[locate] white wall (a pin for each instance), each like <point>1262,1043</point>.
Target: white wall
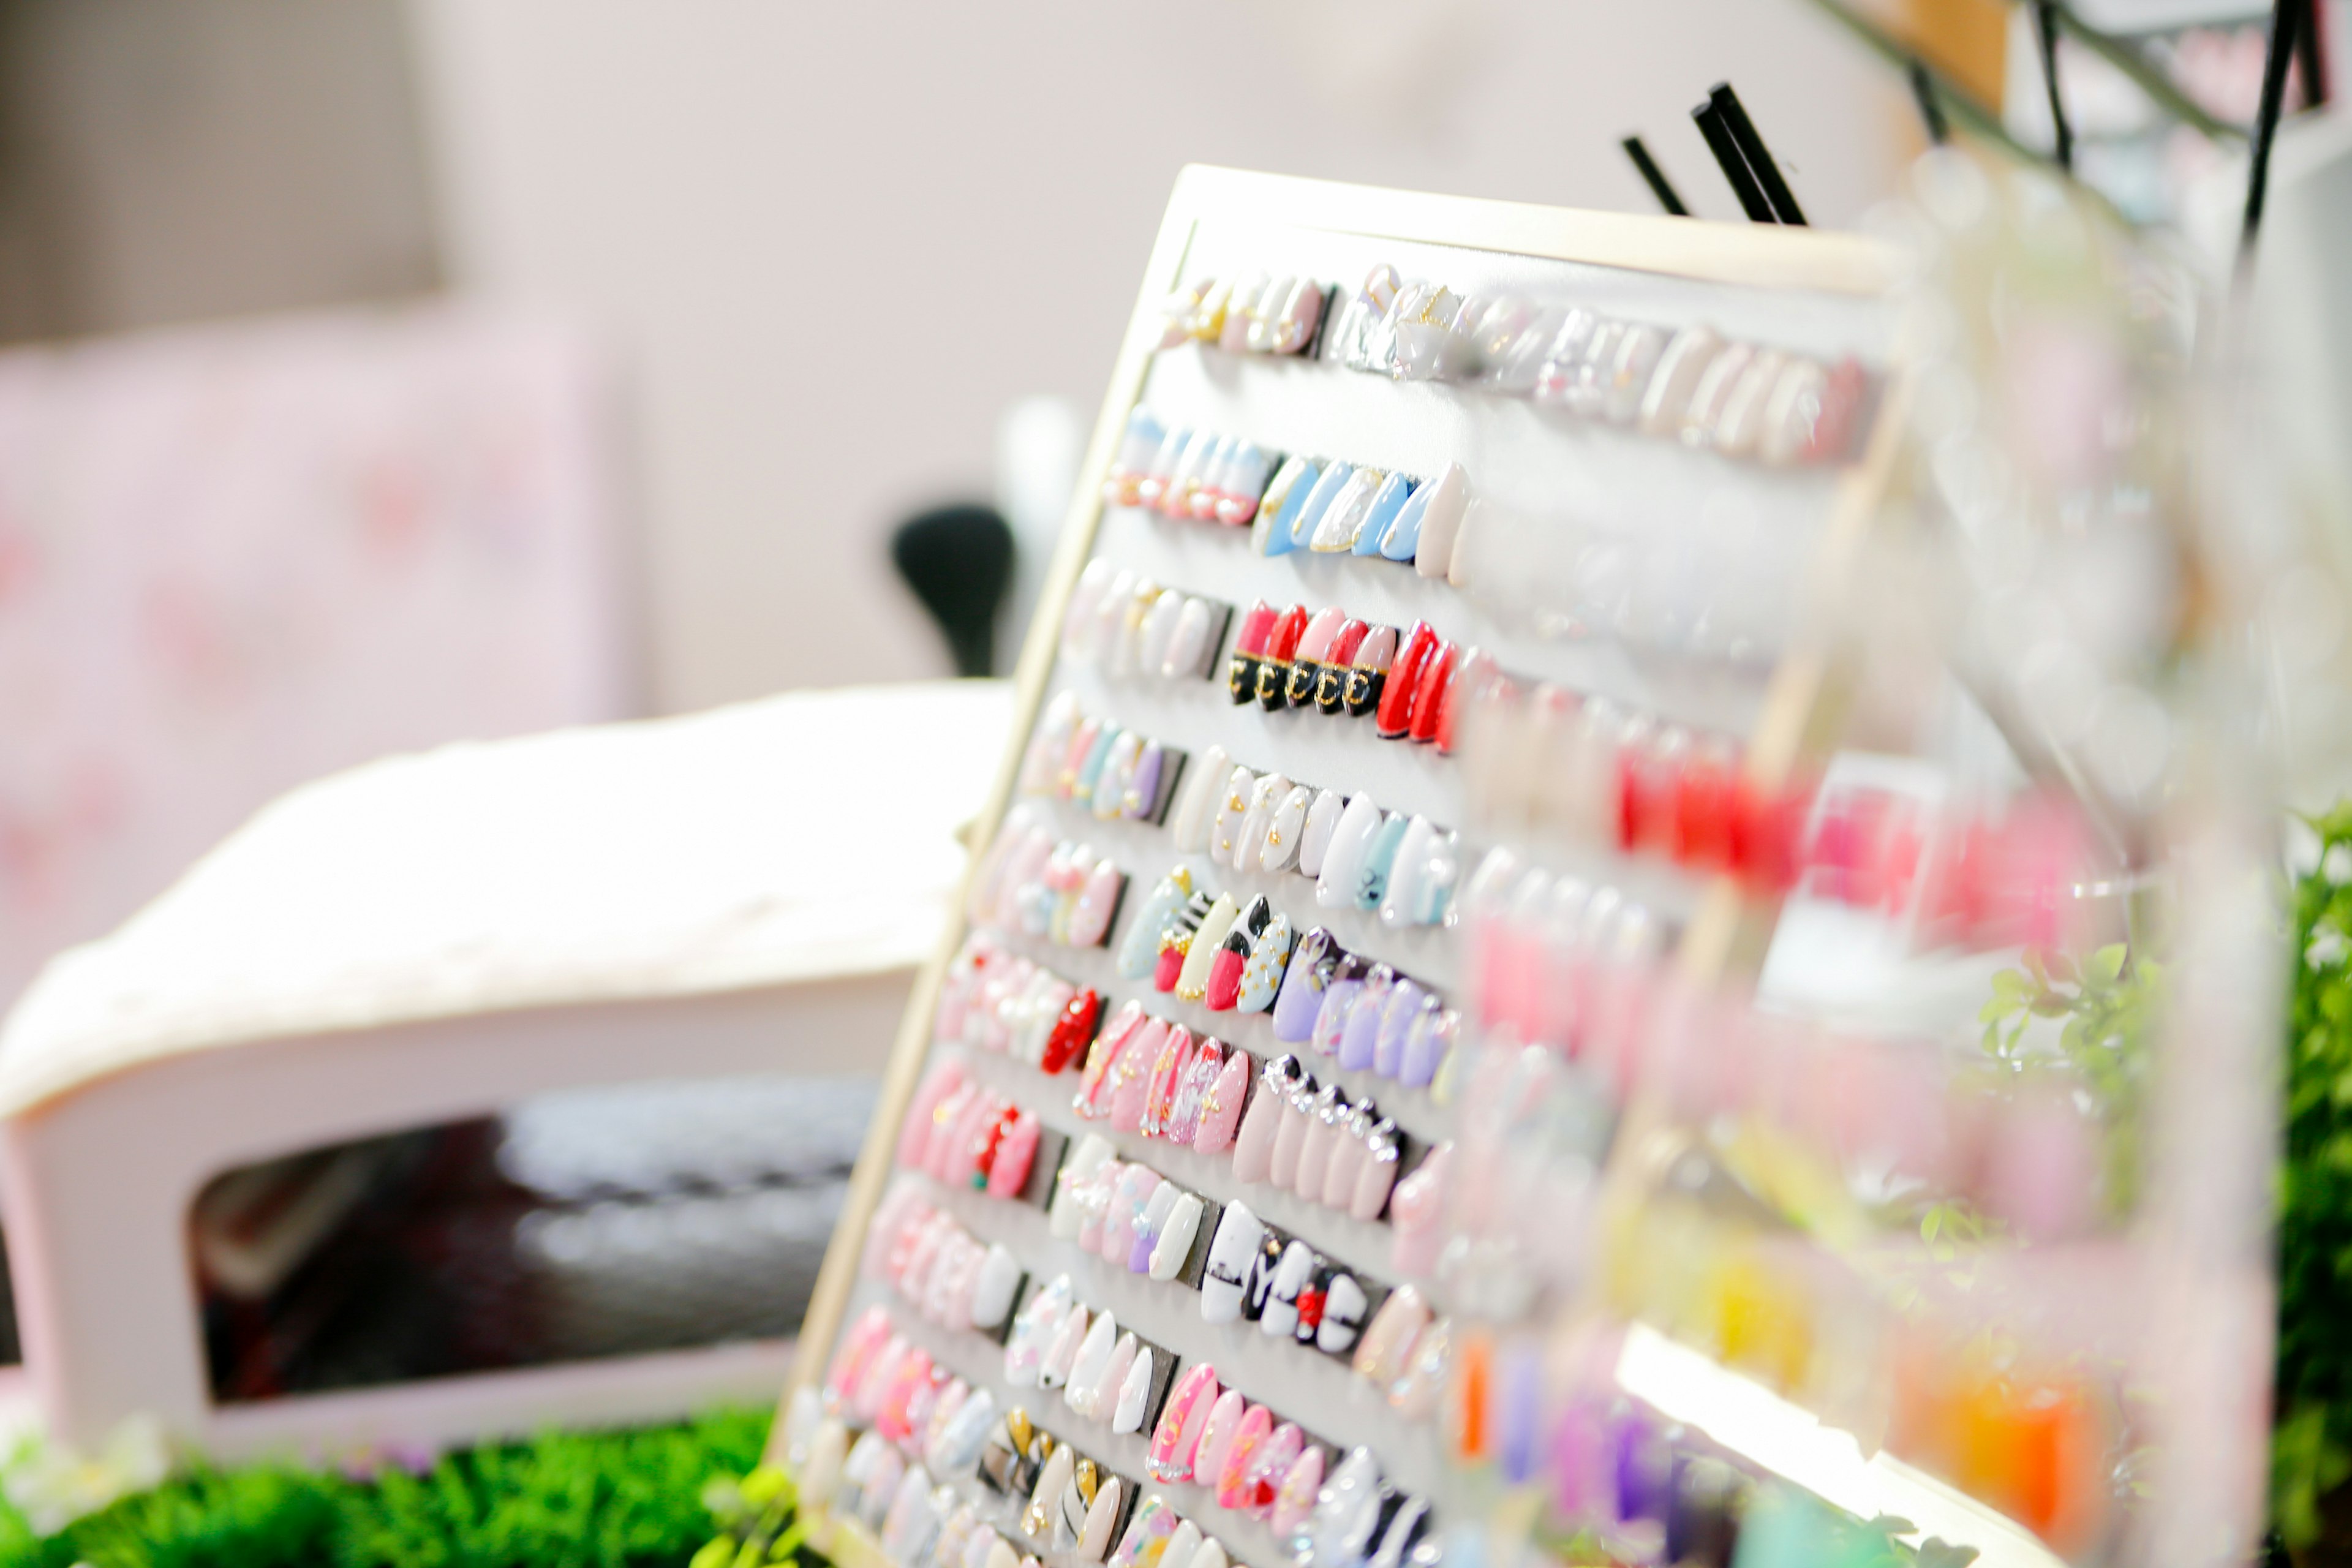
<point>837,240</point>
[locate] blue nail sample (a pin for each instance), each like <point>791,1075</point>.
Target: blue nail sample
<point>1389,502</point>
<point>1404,537</point>
<point>1379,858</point>
<point>1083,791</point>
<point>1318,501</point>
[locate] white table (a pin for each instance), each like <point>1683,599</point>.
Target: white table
<point>435,937</point>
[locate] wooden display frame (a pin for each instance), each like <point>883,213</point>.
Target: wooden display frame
<point>1822,264</point>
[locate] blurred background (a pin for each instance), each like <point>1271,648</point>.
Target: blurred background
<point>388,373</point>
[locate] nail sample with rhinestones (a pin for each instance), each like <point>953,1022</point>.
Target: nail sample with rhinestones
<point>1303,982</point>
<point>1378,1177</point>
<point>1221,1107</point>
<point>1179,1433</point>
<point>1167,1075</point>
<point>1290,1132</point>
<point>1182,1121</point>
<point>1323,1122</point>
<point>1254,1146</point>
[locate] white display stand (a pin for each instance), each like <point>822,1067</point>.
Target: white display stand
<point>1539,476</point>
<point>438,936</point>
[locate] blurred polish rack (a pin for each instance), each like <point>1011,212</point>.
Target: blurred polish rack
<point>1561,503</point>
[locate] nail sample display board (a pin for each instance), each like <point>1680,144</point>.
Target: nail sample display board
<point>1691,561</point>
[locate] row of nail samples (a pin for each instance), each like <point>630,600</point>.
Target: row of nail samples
<point>1254,313</point>
<point>1036,882</point>
<point>1561,961</point>
<point>1182,473</point>
<point>996,999</point>
<point>1311,1141</point>
<point>1403,866</point>
<point>1125,1213</point>
<point>1125,624</point>
<point>1115,773</point>
<point>1742,399</point>
<point>937,1267</point>
<point>1411,683</point>
<point>1103,1375</point>
<point>1323,505</point>
<point>969,1137</point>
<point>1328,507</point>
<point>1328,1516</point>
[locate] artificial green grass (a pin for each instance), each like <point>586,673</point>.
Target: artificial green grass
<point>571,1499</point>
